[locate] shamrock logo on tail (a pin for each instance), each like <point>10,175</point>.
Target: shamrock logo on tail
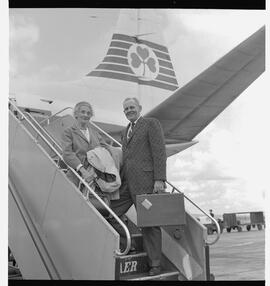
<point>143,57</point>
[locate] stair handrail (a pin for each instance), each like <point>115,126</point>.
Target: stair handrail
<point>106,134</point>
<point>209,216</point>
<point>44,130</point>
<point>174,188</point>
<point>81,180</point>
<point>53,115</point>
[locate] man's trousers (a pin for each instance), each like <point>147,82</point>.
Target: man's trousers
<point>151,235</point>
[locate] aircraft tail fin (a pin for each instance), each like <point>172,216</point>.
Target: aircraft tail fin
<point>137,52</point>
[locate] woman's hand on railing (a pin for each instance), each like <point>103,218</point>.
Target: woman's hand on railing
<point>87,175</point>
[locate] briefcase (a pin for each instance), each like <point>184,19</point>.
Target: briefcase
<point>160,209</point>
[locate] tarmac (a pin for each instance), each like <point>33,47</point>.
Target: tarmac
<point>236,256</point>
<point>239,255</point>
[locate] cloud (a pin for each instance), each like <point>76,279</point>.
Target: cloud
<point>22,31</point>
<point>25,74</point>
<point>221,196</point>
<point>206,180</point>
<point>197,38</point>
<point>219,172</point>
<point>50,72</point>
<point>24,34</point>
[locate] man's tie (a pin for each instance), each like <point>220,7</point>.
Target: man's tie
<point>130,130</point>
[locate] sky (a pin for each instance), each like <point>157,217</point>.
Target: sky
<point>227,170</point>
<point>224,171</point>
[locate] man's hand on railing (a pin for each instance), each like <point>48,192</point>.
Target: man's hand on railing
<point>159,187</point>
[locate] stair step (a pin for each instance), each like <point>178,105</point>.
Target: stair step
<point>130,264</point>
<point>14,272</point>
<point>15,277</point>
<point>164,275</point>
<point>137,240</point>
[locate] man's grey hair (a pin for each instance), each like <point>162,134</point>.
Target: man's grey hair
<point>79,105</point>
<point>132,98</point>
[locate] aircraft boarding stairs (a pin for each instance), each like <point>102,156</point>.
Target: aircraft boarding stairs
<point>56,233</point>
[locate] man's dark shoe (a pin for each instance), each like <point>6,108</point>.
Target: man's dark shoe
<point>155,270</point>
<point>132,250</point>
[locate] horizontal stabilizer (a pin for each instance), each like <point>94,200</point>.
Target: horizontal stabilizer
<point>191,108</point>
<point>172,149</point>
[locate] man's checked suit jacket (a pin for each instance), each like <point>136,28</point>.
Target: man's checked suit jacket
<point>144,155</point>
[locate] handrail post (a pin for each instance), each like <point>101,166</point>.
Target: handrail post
<point>53,115</point>
<point>207,262</point>
<point>106,134</point>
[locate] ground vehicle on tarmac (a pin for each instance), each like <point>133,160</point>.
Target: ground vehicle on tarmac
<point>243,219</point>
